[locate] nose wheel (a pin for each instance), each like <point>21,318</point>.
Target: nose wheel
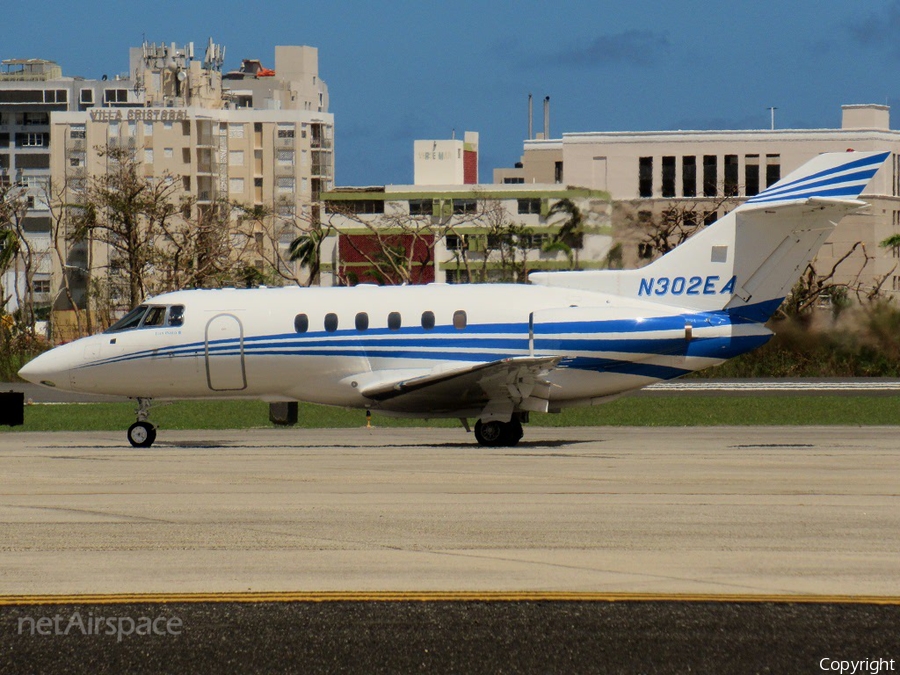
<point>142,433</point>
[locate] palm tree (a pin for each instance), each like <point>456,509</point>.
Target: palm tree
<point>570,234</point>
<point>306,250</point>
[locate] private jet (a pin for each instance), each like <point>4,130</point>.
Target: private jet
<point>493,353</point>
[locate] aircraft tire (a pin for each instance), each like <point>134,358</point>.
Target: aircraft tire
<point>495,434</point>
<point>141,434</point>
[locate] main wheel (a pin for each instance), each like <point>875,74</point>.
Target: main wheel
<point>489,433</point>
<point>141,434</point>
<point>497,434</point>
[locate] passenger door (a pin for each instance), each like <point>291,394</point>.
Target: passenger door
<point>225,369</point>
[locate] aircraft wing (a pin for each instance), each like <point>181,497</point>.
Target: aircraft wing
<point>498,385</point>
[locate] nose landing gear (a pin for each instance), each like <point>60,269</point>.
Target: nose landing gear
<point>142,433</point>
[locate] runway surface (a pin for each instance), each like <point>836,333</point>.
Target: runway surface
<point>690,510</point>
<point>383,550</point>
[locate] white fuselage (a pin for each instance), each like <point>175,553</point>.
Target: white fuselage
<point>282,344</point>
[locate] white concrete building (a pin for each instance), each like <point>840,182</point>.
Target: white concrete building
<point>647,171</point>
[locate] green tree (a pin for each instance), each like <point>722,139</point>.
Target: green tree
<point>570,235</point>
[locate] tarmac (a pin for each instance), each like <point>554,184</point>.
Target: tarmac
<point>734,532</point>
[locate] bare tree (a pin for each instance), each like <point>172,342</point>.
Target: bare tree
<point>127,210</point>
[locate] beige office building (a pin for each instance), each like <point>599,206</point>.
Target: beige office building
<point>645,172</point>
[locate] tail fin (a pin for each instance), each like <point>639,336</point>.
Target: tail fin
<point>748,260</point>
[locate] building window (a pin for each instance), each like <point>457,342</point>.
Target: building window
<point>77,132</point>
<point>285,184</point>
<point>455,242</point>
<point>645,251</point>
<point>112,96</point>
<point>394,321</point>
<point>236,185</point>
<point>236,157</point>
<point>645,176</point>
<point>235,131</point>
<point>285,130</point>
<point>710,175</point>
<point>148,155</point>
<point>463,206</point>
<point>168,153</point>
<point>86,97</point>
<point>731,175</point>
<point>535,240</point>
<point>285,157</point>
<point>148,128</point>
<point>689,176</point>
<point>751,175</point>
<point>32,140</point>
<point>359,206</point>
<point>558,172</point>
<point>668,176</point>
<point>456,277</point>
<point>421,207</point>
<point>40,286</point>
<point>513,180</point>
<point>773,169</point>
<point>529,206</point>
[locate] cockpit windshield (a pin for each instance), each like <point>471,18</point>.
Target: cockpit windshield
<point>149,316</point>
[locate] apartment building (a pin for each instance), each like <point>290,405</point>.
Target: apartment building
<point>646,172</point>
<point>256,136</point>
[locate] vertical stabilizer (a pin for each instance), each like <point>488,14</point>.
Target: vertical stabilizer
<point>748,260</point>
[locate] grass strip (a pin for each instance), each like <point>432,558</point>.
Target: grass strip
<point>675,410</point>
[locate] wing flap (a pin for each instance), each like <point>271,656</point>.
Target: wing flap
<point>505,383</point>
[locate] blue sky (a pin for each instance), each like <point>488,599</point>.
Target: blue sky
<point>409,70</point>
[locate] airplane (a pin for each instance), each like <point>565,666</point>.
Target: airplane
<point>492,352</point>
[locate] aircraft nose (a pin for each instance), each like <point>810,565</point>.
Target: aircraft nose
<point>47,369</point>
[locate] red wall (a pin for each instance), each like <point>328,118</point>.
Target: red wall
<point>359,248</point>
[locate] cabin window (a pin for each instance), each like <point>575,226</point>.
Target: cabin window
<point>362,321</point>
<point>155,317</point>
<point>301,323</point>
<point>459,319</point>
<point>331,322</point>
<point>394,320</point>
<point>176,315</point>
<point>427,320</point>
<point>130,320</point>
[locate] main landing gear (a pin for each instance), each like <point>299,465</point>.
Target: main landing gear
<point>141,434</point>
<point>498,434</point>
